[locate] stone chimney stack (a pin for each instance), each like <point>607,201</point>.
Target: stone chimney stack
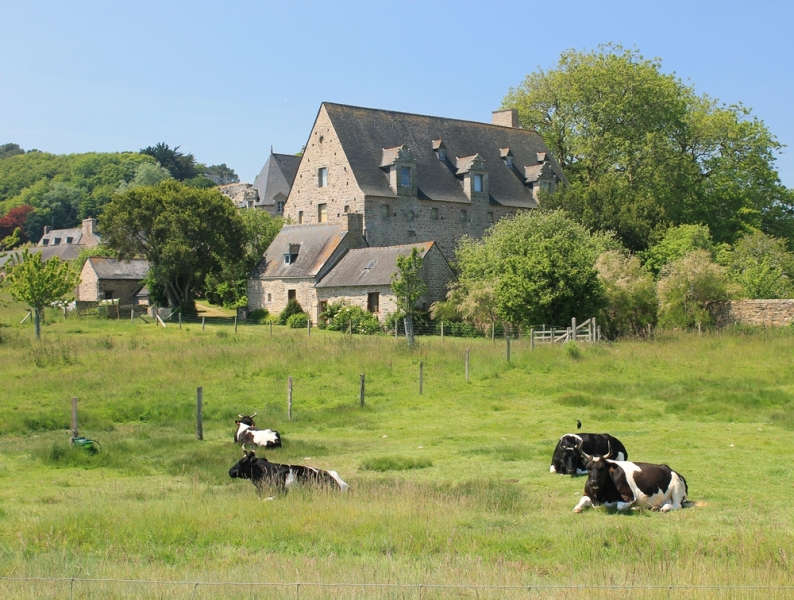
<point>89,227</point>
<point>505,118</point>
<point>47,229</point>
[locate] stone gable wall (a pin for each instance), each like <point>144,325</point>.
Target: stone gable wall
<point>769,313</point>
<point>88,289</point>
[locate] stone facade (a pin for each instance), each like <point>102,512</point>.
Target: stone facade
<point>767,313</point>
<point>273,294</point>
<point>107,279</point>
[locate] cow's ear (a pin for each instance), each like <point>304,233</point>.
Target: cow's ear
<point>254,460</point>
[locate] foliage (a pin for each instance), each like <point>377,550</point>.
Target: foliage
<point>226,174</point>
<point>37,283</point>
<point>407,283</point>
<point>13,220</point>
<point>145,174</point>
<point>90,252</point>
<point>630,292</point>
<point>7,150</point>
<point>293,308</point>
<point>259,315</point>
<point>644,152</point>
<point>677,243</point>
<point>181,166</point>
<point>762,265</point>
<point>686,288</point>
<point>186,234</point>
<point>346,317</point>
<point>298,321</point>
<point>540,266</point>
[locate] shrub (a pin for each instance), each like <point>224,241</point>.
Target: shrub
<point>630,292</point>
<point>298,320</point>
<point>259,315</point>
<point>293,308</point>
<point>573,351</point>
<point>344,317</point>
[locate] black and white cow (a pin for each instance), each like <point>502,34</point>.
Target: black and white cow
<point>263,473</point>
<point>248,434</point>
<point>567,459</point>
<point>623,484</point>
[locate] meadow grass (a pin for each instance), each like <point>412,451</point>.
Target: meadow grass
<point>448,487</point>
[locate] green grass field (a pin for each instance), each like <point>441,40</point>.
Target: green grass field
<point>448,487</point>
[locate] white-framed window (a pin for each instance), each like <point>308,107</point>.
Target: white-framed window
<point>322,177</point>
<point>279,207</point>
<point>478,183</point>
<point>405,176</point>
<point>434,214</point>
<point>322,213</point>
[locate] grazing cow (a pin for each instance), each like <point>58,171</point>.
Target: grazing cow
<point>263,473</point>
<point>248,434</point>
<point>623,484</point>
<point>567,459</point>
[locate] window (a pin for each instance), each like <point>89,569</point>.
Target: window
<point>346,209</point>
<point>385,211</point>
<point>478,183</point>
<point>108,294</point>
<point>464,217</point>
<point>300,217</point>
<point>373,301</point>
<point>442,154</point>
<point>405,176</point>
<point>322,305</point>
<point>509,162</point>
<point>46,241</point>
<point>290,295</point>
<point>322,176</point>
<point>490,218</point>
<point>269,298</point>
<point>56,241</point>
<point>322,213</point>
<point>69,240</point>
<point>434,214</point>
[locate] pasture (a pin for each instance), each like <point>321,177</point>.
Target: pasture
<point>448,487</point>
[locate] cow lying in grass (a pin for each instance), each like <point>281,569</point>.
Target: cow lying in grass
<point>247,433</point>
<point>267,474</point>
<point>623,484</point>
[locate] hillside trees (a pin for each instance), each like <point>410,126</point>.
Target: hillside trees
<point>644,152</point>
<point>185,233</point>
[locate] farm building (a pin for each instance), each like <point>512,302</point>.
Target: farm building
<point>109,279</point>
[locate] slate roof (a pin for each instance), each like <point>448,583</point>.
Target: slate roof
<point>76,234</point>
<point>365,133</point>
<point>65,252</point>
<point>317,244</point>
<point>369,266</point>
<point>276,177</point>
<point>110,268</point>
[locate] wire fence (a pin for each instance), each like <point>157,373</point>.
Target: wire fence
<point>78,587</point>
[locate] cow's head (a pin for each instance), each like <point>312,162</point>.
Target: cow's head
<point>570,455</point>
<point>597,468</point>
<point>244,468</point>
<point>246,420</point>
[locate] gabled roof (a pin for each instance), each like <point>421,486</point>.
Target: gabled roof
<point>110,268</point>
<point>276,177</point>
<point>364,133</point>
<point>370,266</point>
<point>62,234</point>
<point>314,243</point>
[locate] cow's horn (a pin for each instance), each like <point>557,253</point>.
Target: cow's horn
<point>609,446</point>
<point>253,415</point>
<point>584,454</point>
<point>240,416</point>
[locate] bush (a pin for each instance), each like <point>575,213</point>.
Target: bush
<point>630,292</point>
<point>259,315</point>
<point>298,320</point>
<point>339,317</point>
<point>293,308</point>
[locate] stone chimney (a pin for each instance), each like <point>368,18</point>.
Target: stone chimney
<point>355,224</point>
<point>89,227</point>
<point>505,118</point>
<point>47,229</point>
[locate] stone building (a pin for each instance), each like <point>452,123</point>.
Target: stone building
<point>65,244</point>
<point>108,279</point>
<point>274,182</point>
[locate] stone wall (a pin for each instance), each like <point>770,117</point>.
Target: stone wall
<point>357,296</point>
<point>273,294</point>
<point>770,313</point>
<point>88,289</point>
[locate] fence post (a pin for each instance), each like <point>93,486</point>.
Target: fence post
<point>573,327</point>
<point>649,330</point>
<point>309,326</point>
<point>493,331</point>
<point>180,320</point>
<point>350,327</point>
<point>289,398</point>
<point>699,331</point>
<point>74,416</point>
<point>421,375</point>
<point>442,330</point>
<point>271,327</point>
<point>532,339</point>
<point>595,330</point>
<point>235,324</point>
<point>199,415</point>
<point>361,390</point>
<point>132,314</point>
<point>202,322</point>
<point>396,328</point>
<point>467,365</point>
<point>507,337</point>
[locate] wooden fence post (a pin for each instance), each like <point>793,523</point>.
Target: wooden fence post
<point>442,330</point>
<point>595,330</point>
<point>180,320</point>
<point>573,327</point>
<point>396,328</point>
<point>350,327</point>
<point>649,330</point>
<point>271,327</point>
<point>235,324</point>
<point>199,415</point>
<point>289,398</point>
<point>532,339</point>
<point>74,416</point>
<point>467,365</point>
<point>493,331</point>
<point>507,337</point>
<point>132,314</point>
<point>202,322</point>
<point>699,331</point>
<point>421,375</point>
<point>309,326</point>
<point>361,390</point>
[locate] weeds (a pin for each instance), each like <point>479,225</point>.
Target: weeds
<point>45,355</point>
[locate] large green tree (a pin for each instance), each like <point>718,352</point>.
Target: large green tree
<point>540,265</point>
<point>643,151</point>
<point>181,166</point>
<point>38,283</point>
<point>185,233</point>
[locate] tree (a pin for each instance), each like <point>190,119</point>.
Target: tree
<point>37,283</point>
<point>408,287</point>
<point>688,286</point>
<point>630,292</point>
<point>226,174</point>
<point>541,267</point>
<point>145,174</point>
<point>181,166</point>
<point>13,220</point>
<point>761,265</point>
<point>7,150</point>
<point>185,233</point>
<point>643,151</point>
<point>677,243</point>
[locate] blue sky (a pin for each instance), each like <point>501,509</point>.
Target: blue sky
<point>226,81</point>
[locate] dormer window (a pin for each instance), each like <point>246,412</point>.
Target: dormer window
<point>440,149</point>
<point>478,183</point>
<point>46,241</point>
<point>507,156</point>
<point>69,240</point>
<point>56,241</point>
<point>405,176</point>
<point>509,162</point>
<point>442,154</point>
<point>292,254</point>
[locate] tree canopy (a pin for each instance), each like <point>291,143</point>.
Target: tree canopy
<point>643,151</point>
<point>181,166</point>
<point>185,233</point>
